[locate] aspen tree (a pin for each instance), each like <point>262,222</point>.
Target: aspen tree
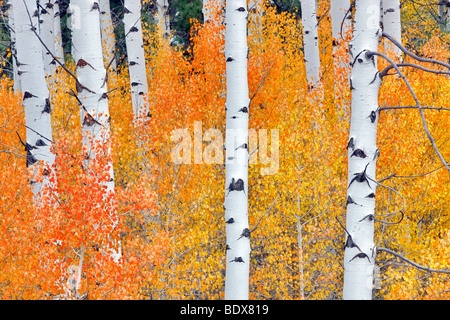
<point>444,15</point>
<point>360,250</point>
<point>47,34</point>
<point>35,94</point>
<point>16,76</point>
<point>108,41</point>
<point>392,26</point>
<point>91,84</point>
<point>311,42</point>
<point>163,17</point>
<point>236,144</point>
<point>59,52</point>
<point>136,58</point>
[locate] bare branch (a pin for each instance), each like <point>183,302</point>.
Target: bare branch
<point>412,55</point>
<point>394,175</point>
<point>267,211</point>
<point>392,189</point>
<point>385,71</point>
<point>418,266</point>
<point>413,107</point>
<point>425,126</point>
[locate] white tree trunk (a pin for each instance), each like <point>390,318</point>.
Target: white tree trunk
<point>392,26</point>
<point>59,52</point>
<point>340,24</point>
<point>91,73</point>
<point>360,250</point>
<point>236,143</point>
<point>16,76</point>
<point>35,93</point>
<point>206,10</point>
<point>46,32</point>
<point>108,39</point>
<point>311,42</point>
<point>136,59</point>
<point>444,15</point>
<point>163,17</point>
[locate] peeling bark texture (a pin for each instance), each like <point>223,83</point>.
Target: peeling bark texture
<point>311,42</point>
<point>392,25</point>
<point>108,39</point>
<point>360,249</point>
<point>136,58</point>
<point>236,142</point>
<point>91,86</point>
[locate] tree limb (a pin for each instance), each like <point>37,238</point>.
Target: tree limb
<point>418,266</point>
<point>425,126</point>
<point>412,55</point>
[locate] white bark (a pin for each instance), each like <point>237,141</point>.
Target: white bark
<point>136,59</point>
<point>163,17</point>
<point>236,143</point>
<point>46,32</point>
<point>108,39</point>
<point>92,87</point>
<point>16,76</point>
<point>35,93</point>
<point>360,250</point>
<point>59,52</point>
<point>392,26</point>
<point>444,15</point>
<point>340,24</point>
<point>310,42</point>
<point>206,10</point>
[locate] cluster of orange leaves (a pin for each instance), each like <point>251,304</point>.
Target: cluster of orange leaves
<point>167,219</point>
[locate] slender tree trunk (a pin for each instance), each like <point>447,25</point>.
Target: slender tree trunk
<point>46,32</point>
<point>236,143</point>
<point>16,76</point>
<point>91,86</point>
<point>444,15</point>
<point>360,250</point>
<point>108,39</point>
<point>35,93</point>
<point>311,42</point>
<point>163,17</point>
<point>59,52</point>
<point>392,26</point>
<point>136,59</point>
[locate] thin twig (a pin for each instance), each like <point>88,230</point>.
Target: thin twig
<point>418,266</point>
<point>425,126</point>
<point>267,211</point>
<point>413,107</point>
<point>385,71</point>
<point>412,55</point>
<point>392,189</point>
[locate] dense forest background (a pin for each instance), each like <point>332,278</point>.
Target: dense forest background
<point>171,226</point>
